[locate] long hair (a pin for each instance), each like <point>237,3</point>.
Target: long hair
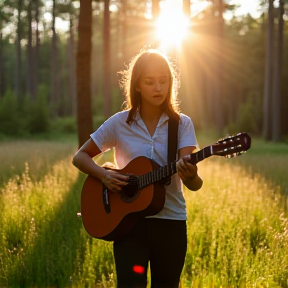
<point>132,74</point>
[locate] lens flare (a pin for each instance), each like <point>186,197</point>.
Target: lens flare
<point>138,269</point>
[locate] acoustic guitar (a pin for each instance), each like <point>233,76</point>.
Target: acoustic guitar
<point>110,216</point>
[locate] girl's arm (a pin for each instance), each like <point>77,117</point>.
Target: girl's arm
<point>188,172</point>
<point>83,160</point>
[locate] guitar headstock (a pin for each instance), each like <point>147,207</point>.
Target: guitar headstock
<point>232,146</point>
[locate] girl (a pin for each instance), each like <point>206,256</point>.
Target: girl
<point>141,129</point>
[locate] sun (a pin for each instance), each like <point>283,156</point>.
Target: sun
<point>172,25</point>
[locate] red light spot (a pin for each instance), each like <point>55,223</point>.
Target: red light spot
<point>138,269</point>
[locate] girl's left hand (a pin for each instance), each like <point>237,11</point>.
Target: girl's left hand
<point>186,171</point>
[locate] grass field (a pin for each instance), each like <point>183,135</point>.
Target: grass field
<point>237,223</point>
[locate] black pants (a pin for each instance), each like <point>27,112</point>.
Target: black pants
<point>160,241</point>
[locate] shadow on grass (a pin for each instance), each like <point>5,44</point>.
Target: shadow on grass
<point>52,259</point>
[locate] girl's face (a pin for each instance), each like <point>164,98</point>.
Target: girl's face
<point>154,84</point>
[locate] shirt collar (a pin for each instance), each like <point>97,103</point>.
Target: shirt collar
<point>164,117</point>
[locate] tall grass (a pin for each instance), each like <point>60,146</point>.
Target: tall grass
<point>39,229</point>
<point>268,160</point>
<point>40,156</point>
<point>264,158</point>
<point>238,231</point>
<point>237,227</point>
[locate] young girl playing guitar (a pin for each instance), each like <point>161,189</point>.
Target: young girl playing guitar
<point>150,84</point>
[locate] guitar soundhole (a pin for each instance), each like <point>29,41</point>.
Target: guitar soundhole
<point>130,192</point>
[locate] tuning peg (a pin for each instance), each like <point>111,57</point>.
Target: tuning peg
<point>226,139</point>
<point>230,156</point>
<point>235,154</point>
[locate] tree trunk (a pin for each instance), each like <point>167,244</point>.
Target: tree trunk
<point>18,73</point>
<point>219,117</point>
<point>124,29</point>
<point>276,119</point>
<point>1,65</point>
<point>267,127</point>
<point>107,68</point>
<point>54,93</point>
<point>71,68</point>
<point>36,51</point>
<point>83,72</point>
<point>29,60</point>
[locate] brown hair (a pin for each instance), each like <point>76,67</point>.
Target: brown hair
<point>130,78</point>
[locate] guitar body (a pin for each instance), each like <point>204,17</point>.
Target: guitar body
<point>110,216</point>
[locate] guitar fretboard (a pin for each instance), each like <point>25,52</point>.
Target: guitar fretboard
<point>201,155</point>
<point>170,169</point>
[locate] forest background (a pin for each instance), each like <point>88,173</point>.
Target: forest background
<point>58,75</point>
<point>234,72</point>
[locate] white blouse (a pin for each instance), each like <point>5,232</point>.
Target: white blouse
<point>134,140</point>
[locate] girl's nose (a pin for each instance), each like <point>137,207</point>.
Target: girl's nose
<point>158,86</point>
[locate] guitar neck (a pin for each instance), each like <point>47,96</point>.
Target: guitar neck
<point>170,169</point>
<point>201,155</point>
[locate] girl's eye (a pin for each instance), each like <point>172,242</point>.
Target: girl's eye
<point>162,82</point>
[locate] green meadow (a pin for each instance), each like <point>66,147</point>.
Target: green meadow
<point>237,223</point>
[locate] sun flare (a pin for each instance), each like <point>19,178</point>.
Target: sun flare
<point>172,25</point>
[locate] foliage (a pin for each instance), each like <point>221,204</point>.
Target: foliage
<point>11,122</point>
<point>38,120</point>
<point>64,125</point>
<point>19,117</point>
<point>26,118</point>
<point>249,117</point>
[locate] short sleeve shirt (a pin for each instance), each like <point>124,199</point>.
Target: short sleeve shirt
<point>133,140</point>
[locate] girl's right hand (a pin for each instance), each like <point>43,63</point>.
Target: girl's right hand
<point>114,181</point>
